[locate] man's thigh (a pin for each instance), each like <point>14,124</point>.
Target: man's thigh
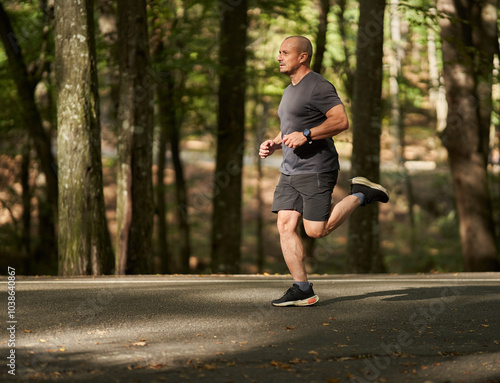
<point>316,193</point>
<point>286,197</point>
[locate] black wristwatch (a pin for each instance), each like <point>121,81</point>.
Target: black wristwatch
<point>307,134</point>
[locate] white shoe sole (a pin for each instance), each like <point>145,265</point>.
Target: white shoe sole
<point>367,182</point>
<point>303,302</point>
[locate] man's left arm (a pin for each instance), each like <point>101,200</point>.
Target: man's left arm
<point>336,122</point>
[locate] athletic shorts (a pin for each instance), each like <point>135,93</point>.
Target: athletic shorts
<point>309,194</point>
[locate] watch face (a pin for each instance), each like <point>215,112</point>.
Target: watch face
<point>307,133</point>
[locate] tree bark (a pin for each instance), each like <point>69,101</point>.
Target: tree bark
<point>363,241</point>
<point>84,241</point>
<point>324,9</point>
<point>135,205</point>
<point>170,131</point>
<point>161,189</point>
<point>227,198</point>
<point>469,34</point>
<point>26,198</point>
<point>108,26</point>
<point>25,89</point>
<point>344,69</point>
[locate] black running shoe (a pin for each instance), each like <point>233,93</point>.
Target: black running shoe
<point>373,192</point>
<point>296,297</point>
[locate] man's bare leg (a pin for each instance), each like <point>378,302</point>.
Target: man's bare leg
<point>339,214</point>
<point>291,244</point>
<point>363,191</point>
<point>301,293</point>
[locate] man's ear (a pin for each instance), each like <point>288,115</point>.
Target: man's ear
<point>303,57</point>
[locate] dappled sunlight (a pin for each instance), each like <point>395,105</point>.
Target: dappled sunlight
<point>223,328</point>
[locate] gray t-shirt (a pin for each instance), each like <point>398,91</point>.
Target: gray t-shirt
<point>304,106</point>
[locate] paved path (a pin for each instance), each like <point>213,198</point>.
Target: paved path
<point>377,328</point>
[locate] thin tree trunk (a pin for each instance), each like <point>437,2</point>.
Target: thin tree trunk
<point>468,35</point>
<point>346,71</point>
<point>395,55</point>
<point>84,241</point>
<point>227,200</point>
<point>163,110</point>
<point>169,128</point>
<point>180,194</point>
<point>161,191</point>
<point>261,129</point>
<point>107,21</point>
<point>25,89</point>
<point>363,240</point>
<point>324,9</point>
<point>135,205</point>
<point>26,197</point>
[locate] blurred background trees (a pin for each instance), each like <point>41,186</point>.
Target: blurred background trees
<point>185,91</point>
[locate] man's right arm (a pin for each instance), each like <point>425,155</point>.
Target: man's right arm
<point>270,146</point>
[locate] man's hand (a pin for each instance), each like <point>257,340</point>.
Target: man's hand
<point>294,140</point>
<point>267,148</point>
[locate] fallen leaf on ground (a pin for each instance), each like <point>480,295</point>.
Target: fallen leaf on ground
<point>156,366</point>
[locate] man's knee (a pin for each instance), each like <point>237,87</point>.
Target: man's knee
<point>315,229</point>
<point>315,234</point>
<point>287,223</point>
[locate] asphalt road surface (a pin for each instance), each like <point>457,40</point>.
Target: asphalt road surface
<point>371,328</point>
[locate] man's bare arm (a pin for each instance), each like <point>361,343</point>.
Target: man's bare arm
<point>336,122</point>
<point>270,146</point>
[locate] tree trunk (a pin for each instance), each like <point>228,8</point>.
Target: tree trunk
<point>180,193</point>
<point>363,242</point>
<point>84,241</point>
<point>161,190</point>
<point>395,55</point>
<point>227,193</point>
<point>324,9</point>
<point>344,68</point>
<point>169,127</point>
<point>468,35</point>
<point>26,198</point>
<point>261,128</point>
<point>107,22</point>
<point>25,89</point>
<point>135,206</point>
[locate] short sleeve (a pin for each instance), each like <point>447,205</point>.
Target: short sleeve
<point>325,97</point>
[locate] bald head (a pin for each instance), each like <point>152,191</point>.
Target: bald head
<point>303,45</point>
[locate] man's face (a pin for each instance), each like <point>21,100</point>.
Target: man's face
<point>289,57</point>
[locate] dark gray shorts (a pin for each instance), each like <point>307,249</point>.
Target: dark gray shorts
<point>309,194</point>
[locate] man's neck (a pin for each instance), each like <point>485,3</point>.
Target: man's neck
<point>299,75</point>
